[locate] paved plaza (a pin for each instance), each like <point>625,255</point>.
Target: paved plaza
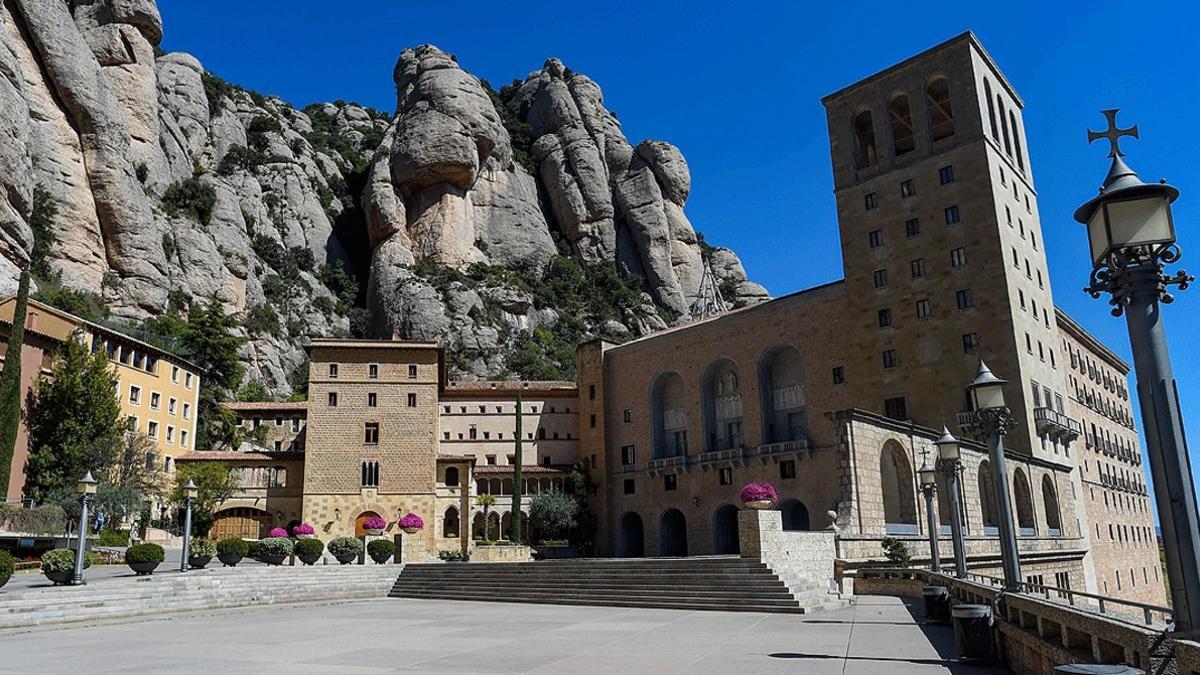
<point>877,635</point>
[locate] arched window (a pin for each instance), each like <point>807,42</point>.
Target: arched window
<point>1026,525</point>
<point>451,476</point>
<point>941,115</point>
<point>899,499</point>
<point>987,94</point>
<point>668,412</point>
<point>1016,133</point>
<point>1003,126</point>
<point>450,523</point>
<point>864,140</point>
<point>902,127</point>
<point>794,515</point>
<point>721,399</point>
<point>784,401</point>
<point>987,499</point>
<point>477,526</point>
<point>1050,504</point>
<point>370,474</point>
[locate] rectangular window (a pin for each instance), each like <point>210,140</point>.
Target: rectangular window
<point>372,400</point>
<point>412,372</point>
<point>917,267</point>
<point>412,400</point>
<point>628,455</point>
<point>371,433</point>
<point>152,429</point>
<point>175,374</point>
<point>627,415</point>
<point>591,392</point>
<point>889,358</point>
<point>295,425</point>
<point>278,446</point>
<point>725,476</point>
<point>135,395</point>
<point>970,342</point>
<point>885,318</point>
<point>875,238</point>
<point>183,438</point>
<point>170,434</point>
<point>912,227</point>
<point>870,201</point>
<point>880,278</point>
<point>896,408</point>
<point>628,486</point>
<point>946,174</point>
<point>171,402</point>
<point>278,421</point>
<point>373,370</point>
<point>333,370</point>
<point>952,216</point>
<point>592,421</point>
<point>907,189</point>
<point>839,375</point>
<point>787,469</point>
<point>670,482</point>
<point>963,299</point>
<point>923,310</point>
<point>155,400</point>
<point>187,411</point>
<point>958,257</point>
<point>333,399</point>
<point>131,423</point>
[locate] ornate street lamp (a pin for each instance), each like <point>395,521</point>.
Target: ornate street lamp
<point>1132,237</point>
<point>189,492</point>
<point>87,488</point>
<point>994,419</point>
<point>928,476</point>
<point>951,465</point>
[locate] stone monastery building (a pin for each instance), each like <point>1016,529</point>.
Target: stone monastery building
<point>833,394</point>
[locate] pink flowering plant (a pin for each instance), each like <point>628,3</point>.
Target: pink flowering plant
<point>374,523</point>
<point>277,532</point>
<point>303,529</point>
<point>759,492</point>
<point>411,521</point>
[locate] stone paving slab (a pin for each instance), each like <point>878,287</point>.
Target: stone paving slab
<point>877,635</point>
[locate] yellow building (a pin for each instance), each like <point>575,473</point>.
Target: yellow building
<point>158,391</point>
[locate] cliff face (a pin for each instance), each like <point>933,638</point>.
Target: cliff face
<point>503,223</point>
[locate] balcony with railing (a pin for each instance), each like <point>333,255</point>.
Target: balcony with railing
<point>663,463</point>
<point>1056,425</point>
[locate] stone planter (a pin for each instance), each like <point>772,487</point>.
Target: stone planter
<point>409,530</point>
<point>143,568</point>
<point>306,536</point>
<point>59,578</point>
<point>374,533</point>
<point>346,559</point>
<point>760,505</point>
<point>199,562</point>
<point>516,553</point>
<point>276,559</point>
<point>229,560</point>
<point>4,580</point>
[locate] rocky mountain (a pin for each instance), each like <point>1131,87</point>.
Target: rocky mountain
<point>507,224</point>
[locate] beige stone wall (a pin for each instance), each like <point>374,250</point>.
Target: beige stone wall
<point>482,424</point>
<point>589,372</point>
<point>285,423</point>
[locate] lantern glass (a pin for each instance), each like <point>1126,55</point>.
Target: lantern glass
<point>948,451</point>
<point>990,395</point>
<point>1139,222</point>
<point>927,475</point>
<point>1098,236</point>
<point>86,485</point>
<point>191,490</point>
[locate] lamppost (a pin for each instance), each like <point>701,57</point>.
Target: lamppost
<point>928,476</point>
<point>189,492</point>
<point>951,465</point>
<point>1132,239</point>
<point>995,418</point>
<point>86,487</point>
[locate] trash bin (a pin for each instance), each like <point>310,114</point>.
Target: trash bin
<point>937,604</point>
<point>973,631</point>
<point>1098,669</point>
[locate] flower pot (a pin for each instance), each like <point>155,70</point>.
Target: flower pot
<point>309,560</point>
<point>305,536</point>
<point>198,562</point>
<point>272,558</point>
<point>374,533</point>
<point>143,568</point>
<point>411,530</point>
<point>229,560</point>
<point>346,559</point>
<point>59,578</point>
<point>4,580</point>
<point>759,505</point>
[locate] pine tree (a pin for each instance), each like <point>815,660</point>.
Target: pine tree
<point>75,421</point>
<point>209,341</point>
<point>10,386</point>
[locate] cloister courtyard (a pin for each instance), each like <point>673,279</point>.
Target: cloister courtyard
<point>876,635</point>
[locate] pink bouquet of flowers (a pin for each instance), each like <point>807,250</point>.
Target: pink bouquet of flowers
<point>759,492</point>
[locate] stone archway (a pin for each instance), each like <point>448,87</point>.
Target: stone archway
<point>632,541</point>
<point>672,534</point>
<point>359,530</point>
<point>794,514</point>
<point>725,530</point>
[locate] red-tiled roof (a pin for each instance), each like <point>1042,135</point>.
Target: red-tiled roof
<point>511,385</point>
<point>456,458</point>
<point>266,405</point>
<point>233,456</point>
<point>508,468</point>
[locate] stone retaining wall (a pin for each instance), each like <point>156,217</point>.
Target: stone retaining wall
<point>807,556</point>
<point>501,553</point>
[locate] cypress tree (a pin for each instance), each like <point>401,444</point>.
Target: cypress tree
<point>10,386</point>
<point>515,535</point>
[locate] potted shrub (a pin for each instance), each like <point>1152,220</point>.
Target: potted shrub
<point>381,550</point>
<point>759,495</point>
<point>143,558</point>
<point>273,550</point>
<point>277,533</point>
<point>58,565</point>
<point>345,549</point>
<point>7,565</point>
<point>231,551</point>
<point>309,550</point>
<point>374,525</point>
<point>452,555</point>
<point>201,552</point>
<point>252,550</point>
<point>304,531</point>
<point>410,523</point>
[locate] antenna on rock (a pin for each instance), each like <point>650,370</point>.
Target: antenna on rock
<point>708,302</point>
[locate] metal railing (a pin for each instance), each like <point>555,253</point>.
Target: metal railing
<point>1071,597</point>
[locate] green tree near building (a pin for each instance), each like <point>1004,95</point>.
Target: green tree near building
<point>75,421</point>
<point>10,386</point>
<point>554,515</point>
<point>214,484</point>
<point>209,341</point>
<point>515,534</point>
<point>486,501</point>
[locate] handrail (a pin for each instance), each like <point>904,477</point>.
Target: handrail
<point>1070,595</point>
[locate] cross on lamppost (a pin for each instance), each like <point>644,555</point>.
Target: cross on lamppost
<point>1113,133</point>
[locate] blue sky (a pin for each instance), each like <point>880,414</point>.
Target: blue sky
<point>738,90</point>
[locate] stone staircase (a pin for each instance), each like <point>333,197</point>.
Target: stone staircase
<point>208,589</point>
<point>700,583</point>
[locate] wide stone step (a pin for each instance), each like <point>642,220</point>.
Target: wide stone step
<point>621,602</point>
<point>780,592</point>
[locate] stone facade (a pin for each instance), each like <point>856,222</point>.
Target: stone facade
<point>284,422</point>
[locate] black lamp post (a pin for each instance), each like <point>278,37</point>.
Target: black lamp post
<point>994,419</point>
<point>949,459</point>
<point>86,487</point>
<point>190,492</point>
<point>928,477</point>
<point>1132,238</point>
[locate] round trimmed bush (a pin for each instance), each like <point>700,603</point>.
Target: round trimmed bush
<point>7,565</point>
<point>200,547</point>
<point>92,558</point>
<point>231,551</point>
<point>381,550</point>
<point>309,550</point>
<point>252,550</point>
<point>345,549</point>
<point>58,565</point>
<point>273,550</point>
<point>144,558</point>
